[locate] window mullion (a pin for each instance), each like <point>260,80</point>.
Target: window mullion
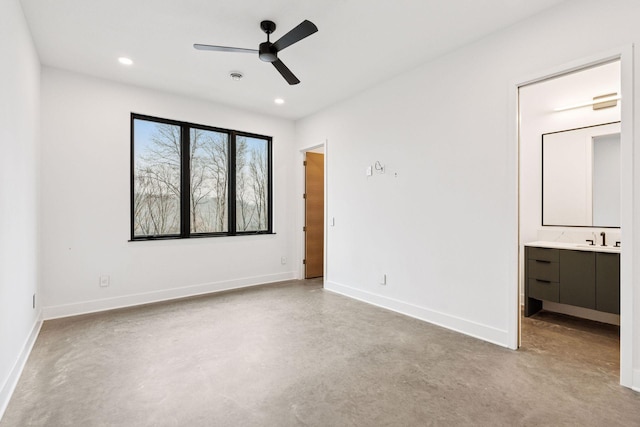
<point>231,203</point>
<point>185,181</point>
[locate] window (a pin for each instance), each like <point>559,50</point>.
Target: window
<point>228,187</point>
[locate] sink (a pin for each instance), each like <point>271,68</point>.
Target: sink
<point>575,246</point>
<point>598,247</point>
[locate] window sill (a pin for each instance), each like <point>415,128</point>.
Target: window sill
<point>199,236</point>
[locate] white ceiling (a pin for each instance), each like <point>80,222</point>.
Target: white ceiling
<point>359,43</point>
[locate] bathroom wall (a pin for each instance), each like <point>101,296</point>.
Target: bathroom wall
<point>19,176</point>
<point>537,116</point>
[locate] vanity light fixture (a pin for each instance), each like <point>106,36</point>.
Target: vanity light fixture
<point>598,103</point>
<point>125,61</point>
<point>605,101</point>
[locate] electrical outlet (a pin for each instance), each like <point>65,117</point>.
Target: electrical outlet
<point>104,281</point>
<point>34,300</point>
<point>283,260</point>
<point>383,279</point>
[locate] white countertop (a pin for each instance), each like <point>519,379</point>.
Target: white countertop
<point>574,246</point>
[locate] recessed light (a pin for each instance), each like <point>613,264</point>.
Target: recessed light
<point>125,61</point>
<point>236,75</point>
<point>279,101</point>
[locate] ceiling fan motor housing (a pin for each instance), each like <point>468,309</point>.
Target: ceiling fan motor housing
<point>265,52</point>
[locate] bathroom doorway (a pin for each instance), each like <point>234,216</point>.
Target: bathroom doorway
<point>569,99</point>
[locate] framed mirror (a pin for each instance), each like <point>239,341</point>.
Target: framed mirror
<point>581,177</point>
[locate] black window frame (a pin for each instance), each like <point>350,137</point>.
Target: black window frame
<point>185,184</point>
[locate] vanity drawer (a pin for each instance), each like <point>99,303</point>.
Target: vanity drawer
<point>543,254</point>
<point>544,290</point>
<point>543,270</point>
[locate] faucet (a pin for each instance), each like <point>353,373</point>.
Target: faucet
<point>604,237</point>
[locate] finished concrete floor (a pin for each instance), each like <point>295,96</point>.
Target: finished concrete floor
<point>293,354</point>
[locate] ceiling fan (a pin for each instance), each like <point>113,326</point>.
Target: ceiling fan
<point>267,51</point>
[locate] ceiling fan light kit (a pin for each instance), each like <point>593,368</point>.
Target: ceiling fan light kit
<point>267,51</point>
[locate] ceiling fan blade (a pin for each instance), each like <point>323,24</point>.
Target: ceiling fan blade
<point>305,29</point>
<point>286,72</point>
<point>224,48</point>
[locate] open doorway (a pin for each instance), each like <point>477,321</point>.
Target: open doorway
<point>574,103</point>
<point>314,214</point>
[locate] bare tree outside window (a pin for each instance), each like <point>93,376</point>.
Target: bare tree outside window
<point>156,196</point>
<point>209,181</point>
<point>251,184</point>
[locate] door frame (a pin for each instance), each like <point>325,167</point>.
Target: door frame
<point>301,209</point>
<point>627,273</point>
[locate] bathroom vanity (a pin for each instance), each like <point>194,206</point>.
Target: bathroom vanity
<point>575,274</point>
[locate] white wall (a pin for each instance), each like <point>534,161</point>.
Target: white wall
<point>19,101</point>
<point>444,230</point>
<point>86,207</point>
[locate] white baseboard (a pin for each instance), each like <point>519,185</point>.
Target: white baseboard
<point>85,307</point>
<point>14,375</point>
<point>635,386</point>
<point>467,327</point>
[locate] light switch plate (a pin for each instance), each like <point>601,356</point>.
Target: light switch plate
<point>104,281</point>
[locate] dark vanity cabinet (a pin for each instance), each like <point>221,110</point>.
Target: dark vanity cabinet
<point>542,278</point>
<point>586,279</point>
<point>578,278</point>
<point>608,282</point>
